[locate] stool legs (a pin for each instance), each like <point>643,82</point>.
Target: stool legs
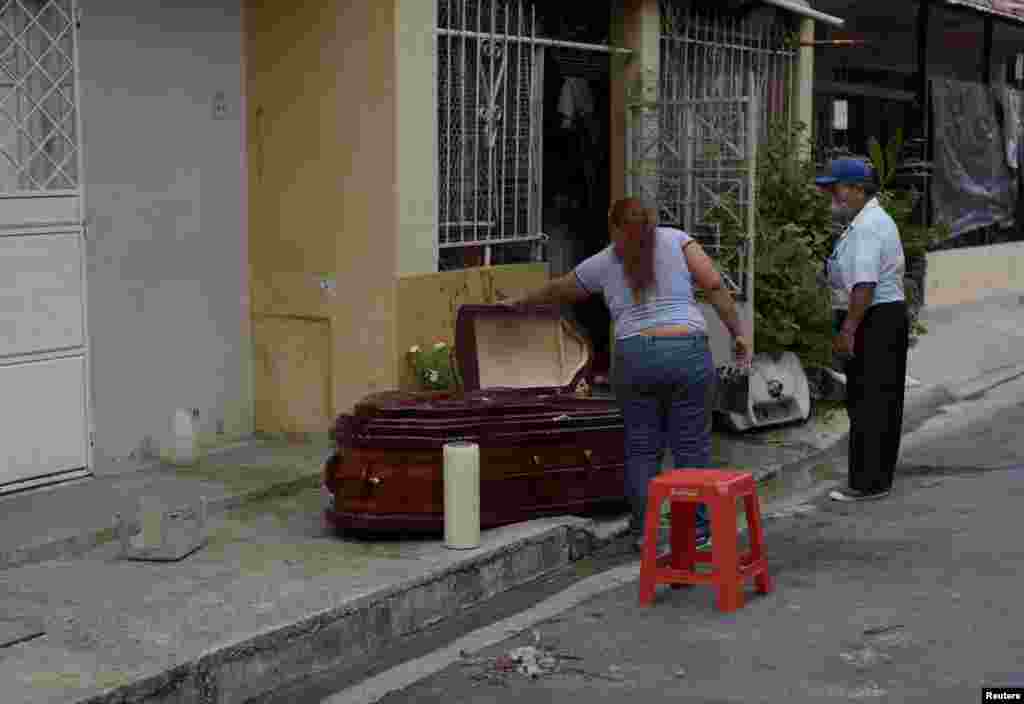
<point>649,552</point>
<point>762,580</point>
<point>725,554</point>
<point>730,568</point>
<point>684,537</point>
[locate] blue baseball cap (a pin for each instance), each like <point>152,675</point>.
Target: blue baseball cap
<point>847,170</point>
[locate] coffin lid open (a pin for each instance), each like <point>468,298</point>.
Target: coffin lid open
<point>498,346</point>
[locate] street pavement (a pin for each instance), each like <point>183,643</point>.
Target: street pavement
<point>964,341</point>
<point>912,599</point>
<point>273,597</point>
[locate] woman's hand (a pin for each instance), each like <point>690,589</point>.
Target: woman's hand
<point>517,303</point>
<point>742,349</point>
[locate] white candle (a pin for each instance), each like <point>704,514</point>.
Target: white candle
<point>462,495</point>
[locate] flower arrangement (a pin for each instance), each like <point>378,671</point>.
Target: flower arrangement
<point>434,368</point>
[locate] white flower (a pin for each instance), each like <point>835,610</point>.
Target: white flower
<point>440,346</point>
<point>433,376</point>
<point>414,349</point>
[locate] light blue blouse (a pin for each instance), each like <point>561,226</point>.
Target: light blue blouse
<point>869,252</point>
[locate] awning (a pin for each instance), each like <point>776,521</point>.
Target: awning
<point>802,7</point>
<point>1007,9</point>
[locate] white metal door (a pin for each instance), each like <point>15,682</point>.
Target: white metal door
<point>44,411</point>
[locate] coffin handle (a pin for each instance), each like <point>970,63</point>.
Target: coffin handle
<point>588,456</point>
<point>375,481</point>
<point>330,470</point>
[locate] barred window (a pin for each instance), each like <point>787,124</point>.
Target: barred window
<point>38,116</point>
<point>488,122</point>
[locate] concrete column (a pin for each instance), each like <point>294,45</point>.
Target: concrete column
<point>415,138</point>
<point>803,86</point>
<point>636,25</point>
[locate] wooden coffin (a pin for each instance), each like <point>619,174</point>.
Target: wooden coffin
<point>545,448</point>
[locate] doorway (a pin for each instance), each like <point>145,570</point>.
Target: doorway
<point>44,408</point>
<point>576,178</point>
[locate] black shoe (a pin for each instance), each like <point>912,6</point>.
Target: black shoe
<point>851,495</point>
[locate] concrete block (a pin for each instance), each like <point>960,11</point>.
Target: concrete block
<point>166,536</point>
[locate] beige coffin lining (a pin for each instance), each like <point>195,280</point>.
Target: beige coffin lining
<point>527,352</point>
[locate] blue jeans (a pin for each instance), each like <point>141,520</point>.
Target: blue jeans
<point>665,386</point>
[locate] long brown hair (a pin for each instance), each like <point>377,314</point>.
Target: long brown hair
<point>633,231</point>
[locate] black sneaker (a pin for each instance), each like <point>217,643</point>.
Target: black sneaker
<point>851,495</point>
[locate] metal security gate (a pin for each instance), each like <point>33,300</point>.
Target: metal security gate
<point>723,83</point>
<point>490,68</point>
<point>488,123</point>
<point>704,157</point>
<point>44,417</point>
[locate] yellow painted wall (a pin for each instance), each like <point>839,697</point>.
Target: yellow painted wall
<point>322,206</point>
<point>415,138</point>
<point>974,273</point>
<point>428,303</point>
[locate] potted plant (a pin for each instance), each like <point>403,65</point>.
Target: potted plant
<point>434,367</point>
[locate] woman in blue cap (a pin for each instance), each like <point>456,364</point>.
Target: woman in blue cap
<point>866,269</point>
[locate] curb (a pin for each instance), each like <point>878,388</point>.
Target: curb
<point>368,624</point>
<point>362,627</point>
<point>375,688</point>
<point>77,543</point>
<point>365,626</point>
<point>925,404</point>
<point>978,386</point>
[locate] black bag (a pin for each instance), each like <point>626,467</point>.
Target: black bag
<point>733,389</point>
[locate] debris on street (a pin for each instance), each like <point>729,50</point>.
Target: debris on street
<point>532,661</point>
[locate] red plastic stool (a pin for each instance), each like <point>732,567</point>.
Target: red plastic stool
<point>719,490</point>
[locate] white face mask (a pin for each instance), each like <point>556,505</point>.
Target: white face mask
<point>841,210</point>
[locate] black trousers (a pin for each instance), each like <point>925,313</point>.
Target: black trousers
<point>875,391</point>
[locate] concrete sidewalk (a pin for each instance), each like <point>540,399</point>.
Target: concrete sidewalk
<point>70,519</point>
<point>274,595</point>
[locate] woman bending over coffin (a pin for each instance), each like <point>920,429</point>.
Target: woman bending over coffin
<point>664,378</point>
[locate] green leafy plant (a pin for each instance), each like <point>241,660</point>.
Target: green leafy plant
<point>794,235</point>
<point>434,368</point>
<point>792,311</point>
<point>885,160</point>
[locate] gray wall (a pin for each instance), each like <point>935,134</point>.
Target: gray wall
<point>167,259</point>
